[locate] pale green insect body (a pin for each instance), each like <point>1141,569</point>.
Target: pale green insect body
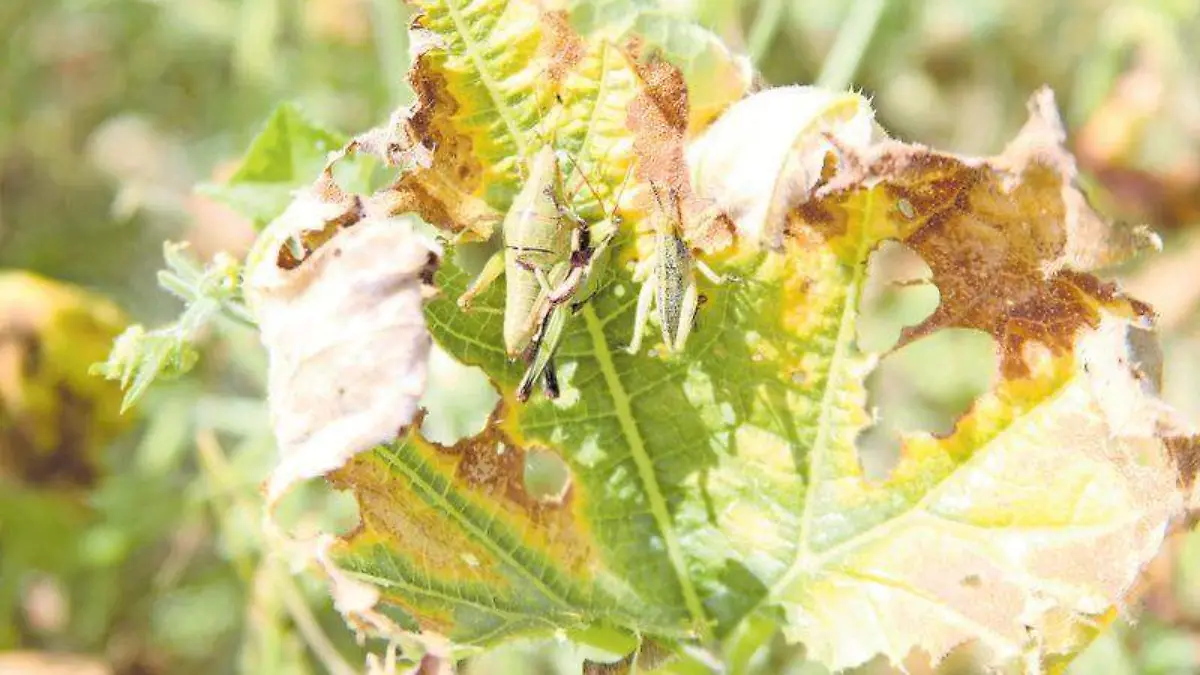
<point>537,243</point>
<point>547,256</point>
<point>672,281</point>
<point>669,292</point>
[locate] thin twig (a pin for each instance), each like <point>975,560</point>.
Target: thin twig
<point>851,44</point>
<point>762,33</point>
<point>389,47</point>
<point>223,476</point>
<point>306,623</point>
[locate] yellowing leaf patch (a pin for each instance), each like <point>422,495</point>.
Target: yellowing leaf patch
<point>718,486</point>
<point>55,421</point>
<point>1028,522</point>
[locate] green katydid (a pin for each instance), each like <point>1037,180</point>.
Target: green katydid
<point>667,277</point>
<point>547,255</point>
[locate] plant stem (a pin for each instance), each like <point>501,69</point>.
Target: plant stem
<point>852,41</point>
<point>762,33</point>
<point>306,623</point>
<point>224,478</point>
<point>390,47</point>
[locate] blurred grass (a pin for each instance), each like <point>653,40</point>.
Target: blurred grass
<point>111,111</point>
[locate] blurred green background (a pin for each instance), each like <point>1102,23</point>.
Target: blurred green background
<point>134,545</point>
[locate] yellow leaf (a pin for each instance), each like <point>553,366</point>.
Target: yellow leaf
<point>55,420</point>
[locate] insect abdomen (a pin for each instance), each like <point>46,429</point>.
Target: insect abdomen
<point>673,271</point>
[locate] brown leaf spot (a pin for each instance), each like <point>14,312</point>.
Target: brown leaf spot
<point>561,45</point>
<point>441,175</point>
<point>1185,450</point>
<point>658,119</point>
<point>994,235</point>
<point>311,240</point>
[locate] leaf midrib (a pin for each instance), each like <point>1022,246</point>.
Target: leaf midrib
<point>833,381</point>
<point>846,325</point>
<point>645,468</point>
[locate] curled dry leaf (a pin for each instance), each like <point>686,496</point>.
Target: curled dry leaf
<point>768,152</point>
<point>346,337</point>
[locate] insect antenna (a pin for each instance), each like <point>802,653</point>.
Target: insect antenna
<point>620,193</point>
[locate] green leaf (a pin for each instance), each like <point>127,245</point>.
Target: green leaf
<point>287,154</point>
<point>724,483</point>
<point>140,356</point>
<point>718,492</point>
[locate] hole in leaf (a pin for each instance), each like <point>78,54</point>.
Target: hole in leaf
<point>897,294</point>
<point>459,399</point>
<point>547,476</point>
<point>925,386</point>
<point>314,507</point>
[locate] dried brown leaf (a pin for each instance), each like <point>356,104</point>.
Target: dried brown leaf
<point>346,337</point>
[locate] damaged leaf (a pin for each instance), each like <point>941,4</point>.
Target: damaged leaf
<point>344,330</point>
<point>710,487</point>
<point>1026,524</point>
<point>497,80</point>
<point>718,486</point>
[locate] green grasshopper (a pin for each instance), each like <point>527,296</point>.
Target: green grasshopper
<point>668,279</point>
<point>547,256</point>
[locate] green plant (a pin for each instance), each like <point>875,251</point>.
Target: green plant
<point>714,495</point>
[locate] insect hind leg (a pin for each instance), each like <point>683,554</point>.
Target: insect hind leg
<point>492,270</point>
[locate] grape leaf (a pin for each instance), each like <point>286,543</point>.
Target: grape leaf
<point>721,487</point>
<point>287,154</point>
<point>712,485</point>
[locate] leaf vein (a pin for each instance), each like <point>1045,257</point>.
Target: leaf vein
<point>646,474</point>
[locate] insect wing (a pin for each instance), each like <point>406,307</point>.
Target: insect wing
<point>673,273</point>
